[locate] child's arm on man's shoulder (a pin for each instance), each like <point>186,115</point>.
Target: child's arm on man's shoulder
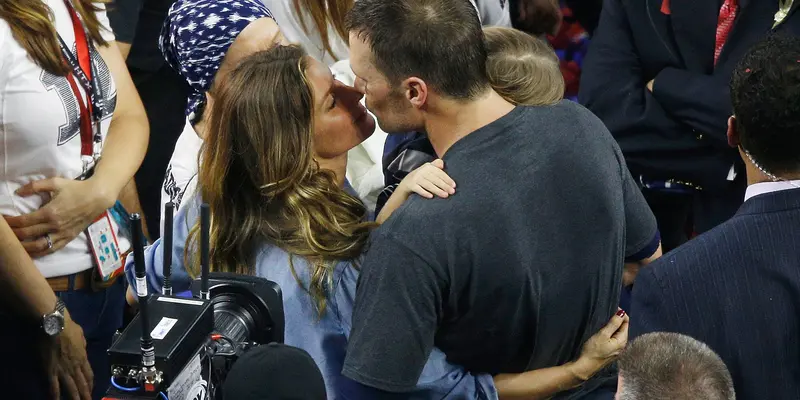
<point>426,181</point>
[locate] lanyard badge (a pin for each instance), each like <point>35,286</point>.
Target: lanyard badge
<point>105,247</point>
<point>92,110</point>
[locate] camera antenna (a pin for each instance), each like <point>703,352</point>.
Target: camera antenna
<point>205,230</point>
<point>169,209</point>
<point>148,351</point>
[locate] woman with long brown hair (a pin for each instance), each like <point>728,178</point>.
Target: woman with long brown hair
<point>273,173</point>
<point>73,132</point>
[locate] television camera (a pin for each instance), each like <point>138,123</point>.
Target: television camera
<point>181,347</point>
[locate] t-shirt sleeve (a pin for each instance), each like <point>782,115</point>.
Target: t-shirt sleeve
<point>397,308</point>
<point>640,224</point>
<point>105,25</point>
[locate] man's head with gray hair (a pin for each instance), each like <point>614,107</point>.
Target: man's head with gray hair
<point>671,366</point>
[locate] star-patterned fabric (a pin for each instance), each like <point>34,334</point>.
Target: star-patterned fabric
<point>196,36</point>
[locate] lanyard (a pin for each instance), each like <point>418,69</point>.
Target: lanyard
<point>82,69</point>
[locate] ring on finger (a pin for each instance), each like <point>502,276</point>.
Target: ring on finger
<point>49,241</point>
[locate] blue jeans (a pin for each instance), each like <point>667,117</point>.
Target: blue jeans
<point>98,313</point>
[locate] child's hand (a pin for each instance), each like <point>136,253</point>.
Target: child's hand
<point>426,181</point>
<point>429,180</point>
<point>604,347</point>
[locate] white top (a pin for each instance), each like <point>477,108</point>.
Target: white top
<point>491,12</point>
<point>180,180</point>
<point>769,187</point>
<point>40,130</point>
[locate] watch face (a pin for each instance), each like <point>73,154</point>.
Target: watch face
<point>53,324</point>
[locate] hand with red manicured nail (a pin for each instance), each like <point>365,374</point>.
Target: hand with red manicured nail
<point>603,348</point>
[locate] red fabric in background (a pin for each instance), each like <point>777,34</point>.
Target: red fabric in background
<point>570,43</point>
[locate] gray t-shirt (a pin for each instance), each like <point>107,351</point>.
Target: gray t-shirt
<point>517,269</point>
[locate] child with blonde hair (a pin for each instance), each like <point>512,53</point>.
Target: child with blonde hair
<point>523,68</point>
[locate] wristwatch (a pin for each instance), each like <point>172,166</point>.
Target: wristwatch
<point>53,322</point>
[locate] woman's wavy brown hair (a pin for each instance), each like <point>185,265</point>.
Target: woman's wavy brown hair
<point>31,23</point>
<point>325,13</point>
<point>523,68</point>
<point>260,179</point>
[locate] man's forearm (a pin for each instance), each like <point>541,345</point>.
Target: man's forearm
<point>394,202</point>
<point>21,283</point>
<point>697,100</point>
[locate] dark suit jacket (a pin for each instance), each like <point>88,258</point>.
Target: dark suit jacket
<point>678,131</point>
<point>736,288</point>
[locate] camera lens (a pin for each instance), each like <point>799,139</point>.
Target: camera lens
<point>231,319</point>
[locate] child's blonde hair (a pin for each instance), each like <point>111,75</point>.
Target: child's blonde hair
<point>523,68</point>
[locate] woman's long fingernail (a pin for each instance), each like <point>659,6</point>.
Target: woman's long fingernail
<point>621,313</point>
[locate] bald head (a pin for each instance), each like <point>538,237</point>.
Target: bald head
<point>671,366</point>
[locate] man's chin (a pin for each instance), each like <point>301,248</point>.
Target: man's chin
<point>391,129</point>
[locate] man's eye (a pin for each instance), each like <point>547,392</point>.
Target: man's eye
<point>333,102</point>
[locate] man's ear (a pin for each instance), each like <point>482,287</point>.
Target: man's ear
<point>416,92</point>
<point>733,134</point>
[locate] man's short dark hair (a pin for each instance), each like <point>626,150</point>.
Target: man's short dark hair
<point>765,91</point>
<point>671,366</point>
<point>439,41</point>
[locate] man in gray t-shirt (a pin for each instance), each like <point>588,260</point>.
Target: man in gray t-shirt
<point>524,263</point>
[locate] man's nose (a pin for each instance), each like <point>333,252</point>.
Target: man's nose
<point>360,86</point>
<point>352,93</point>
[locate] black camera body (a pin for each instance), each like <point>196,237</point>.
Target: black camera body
<point>181,327</point>
<point>243,312</point>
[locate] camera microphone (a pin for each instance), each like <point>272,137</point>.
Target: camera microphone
<point>169,209</point>
<point>151,379</point>
<point>205,230</point>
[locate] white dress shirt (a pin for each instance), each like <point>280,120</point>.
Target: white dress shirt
<point>769,187</point>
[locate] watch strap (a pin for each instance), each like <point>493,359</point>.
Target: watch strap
<point>60,306</point>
